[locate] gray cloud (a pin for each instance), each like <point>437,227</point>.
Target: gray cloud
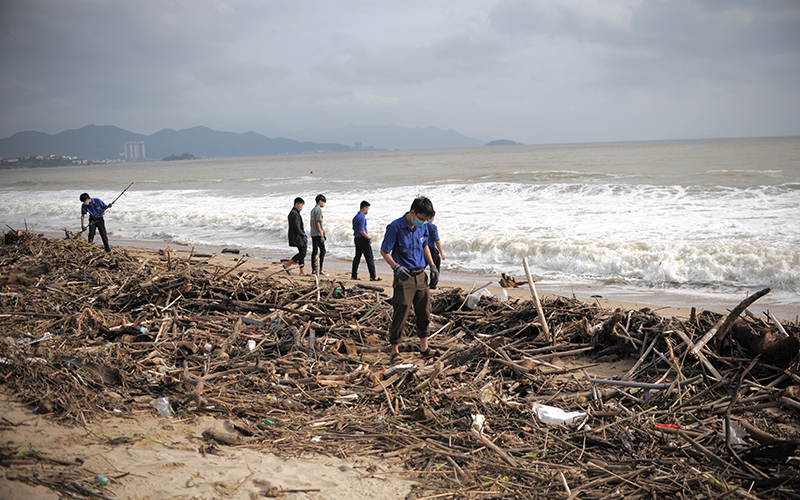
<point>528,70</point>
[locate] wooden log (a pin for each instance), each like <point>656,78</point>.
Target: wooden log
<point>537,303</point>
<point>481,438</point>
<point>739,309</point>
<point>699,355</point>
<point>708,336</point>
<point>779,351</point>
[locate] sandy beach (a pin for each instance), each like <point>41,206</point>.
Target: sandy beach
<point>147,456</point>
<point>340,269</point>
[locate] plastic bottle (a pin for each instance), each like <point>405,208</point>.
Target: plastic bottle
<point>162,405</point>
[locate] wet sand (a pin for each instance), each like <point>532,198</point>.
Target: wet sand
<point>608,295</point>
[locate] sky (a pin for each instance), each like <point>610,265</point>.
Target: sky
<point>531,71</point>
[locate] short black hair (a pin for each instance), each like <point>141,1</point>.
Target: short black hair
<point>299,200</point>
<point>364,203</point>
<point>423,206</point>
<point>84,197</point>
<point>319,198</point>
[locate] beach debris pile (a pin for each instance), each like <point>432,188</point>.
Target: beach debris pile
<point>616,404</point>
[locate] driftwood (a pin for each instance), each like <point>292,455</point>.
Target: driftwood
<point>739,309</point>
<point>286,359</point>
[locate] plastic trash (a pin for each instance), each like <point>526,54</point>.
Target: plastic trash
<point>486,394</point>
<point>557,416</point>
<point>478,422</point>
<point>162,405</point>
<point>101,479</point>
<point>388,372</point>
<point>474,297</point>
<point>251,344</point>
<point>738,433</point>
<point>251,321</point>
<point>503,296</point>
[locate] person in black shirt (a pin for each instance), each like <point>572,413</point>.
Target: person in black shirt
<point>297,237</point>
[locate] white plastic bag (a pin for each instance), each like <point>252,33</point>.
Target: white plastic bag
<point>556,416</point>
<point>474,297</point>
<point>478,422</point>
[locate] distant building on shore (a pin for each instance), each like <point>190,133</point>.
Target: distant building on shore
<point>134,151</point>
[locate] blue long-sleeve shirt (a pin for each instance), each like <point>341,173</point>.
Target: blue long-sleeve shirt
<point>406,245</point>
<point>95,209</point>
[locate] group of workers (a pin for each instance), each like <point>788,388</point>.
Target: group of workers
<point>410,243</point>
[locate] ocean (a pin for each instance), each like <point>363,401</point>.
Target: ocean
<point>694,222</point>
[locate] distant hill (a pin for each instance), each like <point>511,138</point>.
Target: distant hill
<point>388,137</point>
<point>502,142</point>
<point>101,143</point>
<point>97,143</point>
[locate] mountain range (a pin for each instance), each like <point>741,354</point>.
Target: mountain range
<point>100,143</point>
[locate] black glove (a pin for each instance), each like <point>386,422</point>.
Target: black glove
<point>401,272</point>
<point>434,277</point>
<point>109,205</point>
<point>83,228</point>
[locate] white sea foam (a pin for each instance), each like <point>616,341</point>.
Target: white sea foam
<point>650,220</point>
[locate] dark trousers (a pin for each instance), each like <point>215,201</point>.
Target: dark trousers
<point>98,224</point>
<point>437,257</point>
<point>317,246</point>
<point>363,247</point>
<point>300,256</point>
<point>411,292</point>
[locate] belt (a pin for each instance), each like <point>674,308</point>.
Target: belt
<point>417,271</point>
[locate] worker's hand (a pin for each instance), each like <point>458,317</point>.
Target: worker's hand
<point>109,205</point>
<point>401,272</point>
<point>83,228</point>
<point>434,276</point>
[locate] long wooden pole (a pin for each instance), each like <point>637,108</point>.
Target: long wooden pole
<point>538,304</point>
<point>90,223</point>
<point>123,192</point>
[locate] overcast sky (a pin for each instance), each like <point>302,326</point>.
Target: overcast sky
<point>533,71</point>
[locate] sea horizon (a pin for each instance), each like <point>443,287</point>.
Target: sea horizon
<point>707,220</point>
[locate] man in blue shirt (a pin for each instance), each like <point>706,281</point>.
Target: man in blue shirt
<point>405,249</point>
<point>363,243</point>
<point>96,210</point>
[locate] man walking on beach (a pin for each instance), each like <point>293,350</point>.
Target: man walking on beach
<point>96,210</point>
<point>405,249</point>
<point>436,252</point>
<point>297,237</point>
<point>363,243</point>
<point>317,235</point>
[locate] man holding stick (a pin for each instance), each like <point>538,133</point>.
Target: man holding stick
<point>96,210</point>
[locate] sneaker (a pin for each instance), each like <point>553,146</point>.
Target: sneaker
<point>323,273</point>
